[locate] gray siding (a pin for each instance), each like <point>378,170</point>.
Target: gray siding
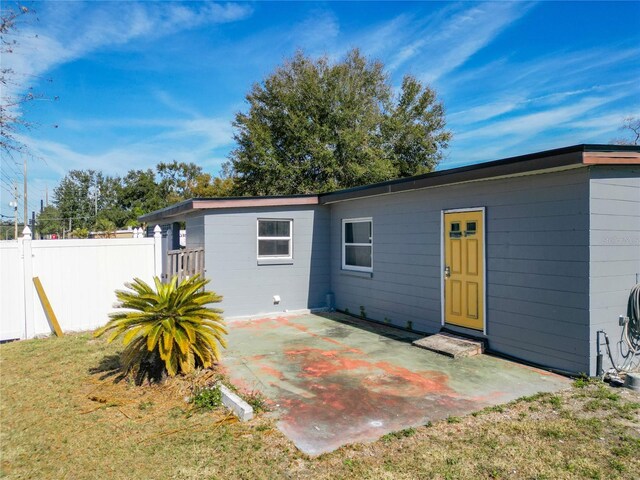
<point>615,248</point>
<point>248,288</point>
<point>537,247</point>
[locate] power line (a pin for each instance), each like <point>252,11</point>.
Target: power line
<point>70,218</point>
<point>8,184</point>
<point>8,190</point>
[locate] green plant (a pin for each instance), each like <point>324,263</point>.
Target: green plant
<point>407,432</point>
<point>80,233</point>
<point>257,401</point>
<point>582,381</point>
<point>553,400</point>
<point>168,329</point>
<point>207,398</point>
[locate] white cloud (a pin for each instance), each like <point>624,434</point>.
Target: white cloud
<point>510,102</point>
<point>76,29</point>
<point>484,112</point>
<point>446,41</point>
<point>527,125</point>
<point>189,140</point>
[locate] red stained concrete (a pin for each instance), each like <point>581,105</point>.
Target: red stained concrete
<point>332,391</point>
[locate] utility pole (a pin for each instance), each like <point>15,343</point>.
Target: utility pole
<point>46,194</point>
<point>24,166</point>
<point>14,204</point>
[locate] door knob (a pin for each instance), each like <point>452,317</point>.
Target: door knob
<point>447,271</point>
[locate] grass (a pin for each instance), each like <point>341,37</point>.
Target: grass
<point>62,416</point>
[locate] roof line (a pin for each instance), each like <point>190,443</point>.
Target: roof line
<point>559,157</point>
<point>575,155</point>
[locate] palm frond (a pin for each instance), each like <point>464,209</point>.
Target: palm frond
<point>171,324</point>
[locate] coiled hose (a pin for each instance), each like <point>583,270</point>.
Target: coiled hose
<point>629,344</point>
<point>631,332</point>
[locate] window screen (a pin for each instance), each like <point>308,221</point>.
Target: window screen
<point>357,245</point>
<point>274,238</point>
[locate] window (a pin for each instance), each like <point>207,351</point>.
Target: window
<point>357,244</point>
<point>274,238</point>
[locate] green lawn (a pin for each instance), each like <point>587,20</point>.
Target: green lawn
<point>62,416</point>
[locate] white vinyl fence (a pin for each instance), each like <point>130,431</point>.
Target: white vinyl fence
<point>78,276</point>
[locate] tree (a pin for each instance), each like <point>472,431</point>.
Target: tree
<point>140,192</point>
<point>81,194</point>
<point>88,199</point>
<point>181,181</point>
<point>14,93</point>
<point>177,180</point>
<point>11,121</point>
<point>313,127</point>
<point>49,221</point>
<point>630,125</point>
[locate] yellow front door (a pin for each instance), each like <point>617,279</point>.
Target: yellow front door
<point>464,269</point>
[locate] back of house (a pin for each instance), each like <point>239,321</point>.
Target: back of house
<point>534,254</point>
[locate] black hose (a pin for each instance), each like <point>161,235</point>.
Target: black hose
<point>633,313</point>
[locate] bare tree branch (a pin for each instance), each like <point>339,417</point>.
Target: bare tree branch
<point>630,125</point>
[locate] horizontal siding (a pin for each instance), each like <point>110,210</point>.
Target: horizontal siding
<point>537,262</point>
<point>247,287</point>
<point>615,248</point>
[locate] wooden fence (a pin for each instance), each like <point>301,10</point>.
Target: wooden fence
<point>184,263</point>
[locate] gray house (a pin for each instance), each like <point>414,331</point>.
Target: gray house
<point>534,253</point>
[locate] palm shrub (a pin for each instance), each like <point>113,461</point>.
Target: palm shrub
<point>167,330</point>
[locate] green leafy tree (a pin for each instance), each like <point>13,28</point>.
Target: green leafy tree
<point>221,187</point>
<point>49,221</point>
<point>140,193</point>
<point>83,193</point>
<point>207,186</point>
<point>313,126</point>
<point>169,329</point>
<point>181,181</point>
<point>177,180</point>
<point>85,197</point>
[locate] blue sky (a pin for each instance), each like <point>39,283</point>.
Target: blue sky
<point>144,82</point>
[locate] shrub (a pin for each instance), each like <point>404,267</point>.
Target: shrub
<point>167,330</point>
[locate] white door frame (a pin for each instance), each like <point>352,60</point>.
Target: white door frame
<point>484,262</point>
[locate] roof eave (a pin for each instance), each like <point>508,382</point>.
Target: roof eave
<point>181,210</point>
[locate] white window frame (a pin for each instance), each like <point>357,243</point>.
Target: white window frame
<point>289,238</point>
<point>344,245</point>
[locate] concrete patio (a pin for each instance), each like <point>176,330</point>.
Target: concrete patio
<point>335,380</point>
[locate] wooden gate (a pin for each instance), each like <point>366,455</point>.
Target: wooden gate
<point>184,263</point>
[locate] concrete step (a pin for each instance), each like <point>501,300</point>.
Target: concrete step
<point>451,345</point>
